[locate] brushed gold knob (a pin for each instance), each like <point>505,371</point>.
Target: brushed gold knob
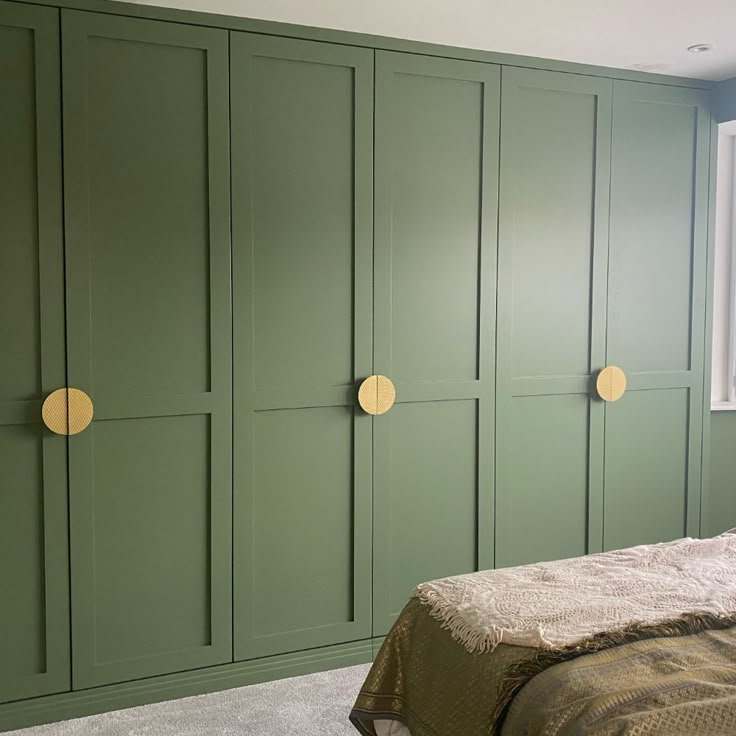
<point>376,395</point>
<point>611,383</point>
<point>67,411</point>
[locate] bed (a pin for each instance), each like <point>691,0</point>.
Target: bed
<point>639,641</point>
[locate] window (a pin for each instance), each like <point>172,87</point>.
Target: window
<point>723,386</point>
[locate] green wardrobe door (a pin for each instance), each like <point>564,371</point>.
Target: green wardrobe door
<point>149,328</point>
<point>553,219</point>
<point>302,270</point>
<point>435,242</point>
<point>659,200</point>
<point>34,556</point>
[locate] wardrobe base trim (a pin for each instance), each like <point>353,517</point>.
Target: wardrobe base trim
<point>63,706</point>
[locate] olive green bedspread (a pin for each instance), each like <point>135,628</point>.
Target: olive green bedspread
<point>681,686</point>
<point>427,681</point>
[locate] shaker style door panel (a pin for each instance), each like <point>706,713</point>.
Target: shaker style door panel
<point>545,487</point>
<point>435,239</point>
<point>431,449</point>
<point>34,555</point>
<point>302,139</point>
<point>149,331</point>
<point>553,218</point>
<point>659,192</point>
<point>647,438</point>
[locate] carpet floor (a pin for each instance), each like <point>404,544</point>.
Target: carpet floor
<point>312,705</point>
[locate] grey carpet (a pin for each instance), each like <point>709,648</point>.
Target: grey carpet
<point>313,705</point>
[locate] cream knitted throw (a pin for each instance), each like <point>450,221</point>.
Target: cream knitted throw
<point>555,604</point>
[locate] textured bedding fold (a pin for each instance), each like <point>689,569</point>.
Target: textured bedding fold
<point>555,604</point>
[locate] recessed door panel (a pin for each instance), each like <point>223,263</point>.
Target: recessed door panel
<point>143,230</point>
<point>652,201</point>
<point>552,253</point>
<point>647,438</point>
<point>547,517</point>
<point>148,295</point>
<point>302,175</point>
<point>435,215</point>
<point>302,543</point>
<point>432,515</point>
<point>436,143</point>
<point>145,468</point>
<point>21,507</point>
<point>20,337</point>
<point>34,553</point>
<point>553,219</point>
<point>302,271</point>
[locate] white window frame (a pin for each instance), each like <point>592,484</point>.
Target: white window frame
<point>723,383</point>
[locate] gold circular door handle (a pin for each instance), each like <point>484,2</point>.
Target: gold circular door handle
<point>611,383</point>
<point>67,411</point>
<point>376,395</point>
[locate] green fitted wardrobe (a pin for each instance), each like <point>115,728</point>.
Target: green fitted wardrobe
<point>215,230</point>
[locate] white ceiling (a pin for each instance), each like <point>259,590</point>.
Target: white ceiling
<point>648,35</point>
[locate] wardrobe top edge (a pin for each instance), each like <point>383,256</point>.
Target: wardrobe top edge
<point>353,38</point>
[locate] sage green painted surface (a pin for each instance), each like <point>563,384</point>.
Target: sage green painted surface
<point>302,549</point>
<point>34,559</point>
<point>151,506</point>
<point>432,466</point>
<point>435,219</point>
<point>302,269</point>
<point>646,468</point>
<point>656,308</point>
<point>555,429</point>
<point>721,511</point>
<point>149,330</point>
<point>553,245</point>
<point>651,229</point>
<point>436,126</point>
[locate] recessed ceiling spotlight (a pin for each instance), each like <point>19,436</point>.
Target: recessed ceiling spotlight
<point>700,48</point>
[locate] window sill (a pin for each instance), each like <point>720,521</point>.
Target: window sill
<point>723,405</point>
